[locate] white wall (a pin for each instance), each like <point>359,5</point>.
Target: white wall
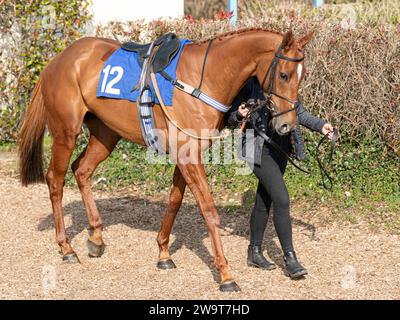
<point>128,10</point>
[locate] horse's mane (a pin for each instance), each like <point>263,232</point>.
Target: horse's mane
<point>232,33</point>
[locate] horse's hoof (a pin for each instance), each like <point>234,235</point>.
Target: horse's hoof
<point>71,258</point>
<point>166,264</point>
<point>229,286</point>
<point>95,251</point>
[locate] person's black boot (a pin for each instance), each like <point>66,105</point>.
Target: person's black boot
<point>293,268</point>
<point>256,259</point>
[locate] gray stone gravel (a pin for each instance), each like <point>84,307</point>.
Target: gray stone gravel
<point>344,261</point>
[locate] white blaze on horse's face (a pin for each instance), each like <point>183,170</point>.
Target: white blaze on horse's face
<point>299,71</point>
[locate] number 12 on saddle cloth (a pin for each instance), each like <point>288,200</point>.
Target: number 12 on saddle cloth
<point>121,72</point>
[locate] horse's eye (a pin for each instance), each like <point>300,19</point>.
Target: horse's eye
<point>284,76</point>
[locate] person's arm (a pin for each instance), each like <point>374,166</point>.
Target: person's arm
<point>314,123</point>
<point>308,120</point>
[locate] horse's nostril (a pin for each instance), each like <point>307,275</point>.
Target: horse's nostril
<point>285,128</point>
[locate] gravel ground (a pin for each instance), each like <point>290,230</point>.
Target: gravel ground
<point>344,261</point>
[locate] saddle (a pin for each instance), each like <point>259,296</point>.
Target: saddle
<point>153,57</point>
<point>168,46</point>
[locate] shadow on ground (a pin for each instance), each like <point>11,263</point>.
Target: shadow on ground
<point>189,228</point>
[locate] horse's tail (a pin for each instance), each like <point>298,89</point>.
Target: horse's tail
<point>30,145</point>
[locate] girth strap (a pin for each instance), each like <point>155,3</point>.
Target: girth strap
<point>197,93</point>
<point>145,103</point>
<point>164,109</point>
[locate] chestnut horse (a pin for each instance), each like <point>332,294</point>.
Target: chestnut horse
<point>65,98</point>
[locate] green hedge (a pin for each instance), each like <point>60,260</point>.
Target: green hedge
<point>33,32</point>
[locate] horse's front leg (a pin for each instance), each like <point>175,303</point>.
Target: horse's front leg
<point>175,201</point>
<point>196,179</point>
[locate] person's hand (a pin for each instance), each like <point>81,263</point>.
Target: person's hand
<point>327,129</point>
<point>243,111</point>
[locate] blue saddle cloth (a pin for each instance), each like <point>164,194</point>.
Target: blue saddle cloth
<point>121,72</point>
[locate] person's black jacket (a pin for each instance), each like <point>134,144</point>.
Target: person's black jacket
<point>251,144</point>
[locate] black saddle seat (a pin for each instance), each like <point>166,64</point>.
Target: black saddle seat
<point>168,44</point>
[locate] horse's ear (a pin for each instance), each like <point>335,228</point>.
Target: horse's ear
<point>306,39</point>
<point>288,40</point>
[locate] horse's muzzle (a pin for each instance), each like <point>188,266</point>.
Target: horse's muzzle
<point>283,129</point>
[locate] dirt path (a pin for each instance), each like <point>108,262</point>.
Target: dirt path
<point>344,262</point>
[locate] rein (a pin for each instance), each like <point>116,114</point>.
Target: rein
<point>270,141</point>
<point>324,174</point>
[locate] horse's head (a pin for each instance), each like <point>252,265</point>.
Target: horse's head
<point>281,81</point>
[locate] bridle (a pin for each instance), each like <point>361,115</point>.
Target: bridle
<point>271,71</point>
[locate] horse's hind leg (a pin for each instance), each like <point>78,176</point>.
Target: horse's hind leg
<point>101,143</point>
<point>63,145</point>
<point>175,201</point>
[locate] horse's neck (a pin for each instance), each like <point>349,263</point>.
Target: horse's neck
<point>232,60</point>
<point>235,59</point>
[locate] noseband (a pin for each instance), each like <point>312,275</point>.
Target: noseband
<point>271,81</point>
